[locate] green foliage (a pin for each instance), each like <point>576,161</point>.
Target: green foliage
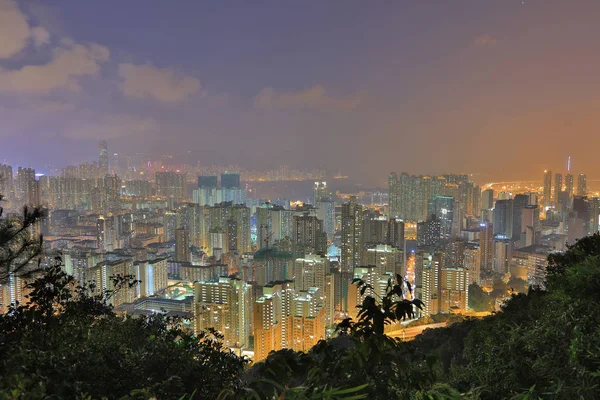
<point>66,343</point>
<point>479,300</point>
<point>18,246</point>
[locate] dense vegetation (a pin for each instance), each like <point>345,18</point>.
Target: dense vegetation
<point>545,344</point>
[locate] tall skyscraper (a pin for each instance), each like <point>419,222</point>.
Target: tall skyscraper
<point>486,249</point>
<point>581,185</point>
<point>569,185</point>
<point>310,272</point>
<point>103,159</point>
<point>503,219</point>
<point>548,188</point>
<point>519,203</point>
<point>352,214</point>
<point>557,187</point>
<point>487,204</point>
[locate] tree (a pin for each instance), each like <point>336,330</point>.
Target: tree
<point>479,300</point>
<point>67,343</point>
<point>19,247</point>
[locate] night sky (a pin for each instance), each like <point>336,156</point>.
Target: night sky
<point>503,88</point>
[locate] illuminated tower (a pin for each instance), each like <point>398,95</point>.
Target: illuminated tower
<point>548,188</point>
<point>581,185</point>
<point>103,160</point>
<point>569,189</point>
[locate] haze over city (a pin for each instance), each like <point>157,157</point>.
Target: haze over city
<point>504,89</point>
<point>311,199</point>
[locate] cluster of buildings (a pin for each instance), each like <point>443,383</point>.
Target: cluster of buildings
<point>270,275</point>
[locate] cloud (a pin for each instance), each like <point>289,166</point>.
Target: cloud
<point>485,40</point>
<point>40,36</point>
<point>315,97</point>
<point>112,127</point>
<point>162,84</point>
<point>69,63</point>
<point>14,29</point>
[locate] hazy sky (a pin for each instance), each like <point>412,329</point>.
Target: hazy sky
<point>501,87</point>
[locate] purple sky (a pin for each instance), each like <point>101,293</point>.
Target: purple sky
<point>503,88</point>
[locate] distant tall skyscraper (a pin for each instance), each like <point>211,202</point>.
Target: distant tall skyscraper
<point>230,181</point>
<point>352,214</point>
<point>308,235</point>
<point>103,160</point>
<point>231,189</point>
<point>320,192</point>
<point>207,193</point>
<point>548,188</point>
<point>557,187</point>
<point>581,185</point>
<point>569,184</point>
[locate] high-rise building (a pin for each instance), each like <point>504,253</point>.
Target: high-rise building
<point>443,208</point>
<point>486,249</point>
<point>472,263</point>
<point>383,257</point>
<point>231,189</point>
<point>548,188</point>
<point>27,187</point>
<point>487,199</point>
<point>352,214</point>
<point>152,276</point>
<point>569,188</point>
<point>306,319</point>
<point>207,193</point>
<point>6,181</point>
<point>102,275</point>
<point>393,195</point>
<point>581,185</point>
<point>182,245</point>
<point>230,181</point>
<point>320,192</point>
<point>112,193</point>
<point>308,236</point>
<point>326,213</point>
<point>103,159</point>
<point>557,187</point>
<point>530,226</point>
<point>225,305</point>
<point>232,220</point>
<point>519,203</point>
<point>171,185</point>
<point>429,232</point>
<point>310,272</point>
<point>503,219</point>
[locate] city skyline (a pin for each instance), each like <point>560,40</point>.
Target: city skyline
<point>494,85</point>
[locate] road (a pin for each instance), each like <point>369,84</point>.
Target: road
<point>410,333</point>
